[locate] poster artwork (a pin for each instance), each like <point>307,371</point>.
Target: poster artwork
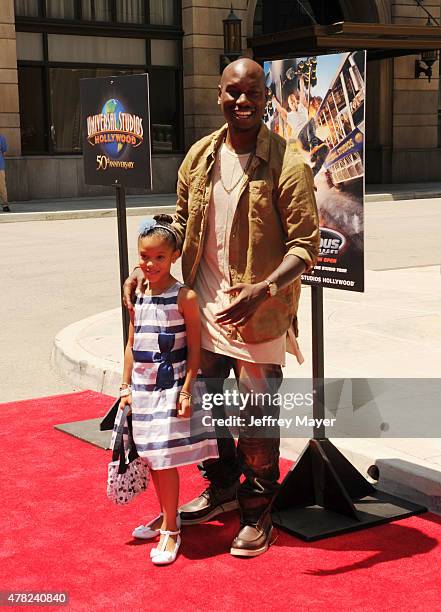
<point>318,105</point>
<point>116,131</point>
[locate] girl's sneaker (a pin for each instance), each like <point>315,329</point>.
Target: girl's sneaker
<point>147,532</point>
<point>165,557</point>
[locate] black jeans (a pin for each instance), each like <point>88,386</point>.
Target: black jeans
<point>255,457</point>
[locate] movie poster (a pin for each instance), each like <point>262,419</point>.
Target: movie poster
<point>317,104</point>
<point>116,131</point>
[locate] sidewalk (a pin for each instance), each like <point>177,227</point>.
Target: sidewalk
<point>81,208</point>
<point>404,191</point>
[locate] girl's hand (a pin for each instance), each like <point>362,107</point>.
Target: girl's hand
<point>125,401</point>
<point>184,407</point>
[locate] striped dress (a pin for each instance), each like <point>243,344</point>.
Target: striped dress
<point>163,439</point>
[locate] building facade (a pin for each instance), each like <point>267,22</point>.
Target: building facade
<point>47,46</point>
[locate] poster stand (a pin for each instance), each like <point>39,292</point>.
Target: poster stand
<point>323,494</point>
<point>120,193</point>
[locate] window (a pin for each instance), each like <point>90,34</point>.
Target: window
<point>164,113</point>
<point>164,12</point>
<point>96,10</point>
<point>32,114</point>
<point>29,46</point>
<point>60,9</point>
<point>64,83</point>
<point>136,12</point>
<point>164,52</point>
<point>96,49</point>
<point>27,8</point>
<point>130,11</point>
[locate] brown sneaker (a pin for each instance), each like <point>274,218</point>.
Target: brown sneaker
<point>253,540</point>
<point>210,503</point>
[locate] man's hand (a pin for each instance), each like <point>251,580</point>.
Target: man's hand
<point>132,287</point>
<point>249,297</point>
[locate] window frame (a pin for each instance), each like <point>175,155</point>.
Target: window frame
<point>77,27</point>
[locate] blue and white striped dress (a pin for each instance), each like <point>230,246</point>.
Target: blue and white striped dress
<point>163,439</point>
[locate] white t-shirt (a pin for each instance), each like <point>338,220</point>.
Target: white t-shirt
<point>298,119</point>
<point>213,275</point>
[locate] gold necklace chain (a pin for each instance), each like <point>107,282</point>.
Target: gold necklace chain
<point>247,165</point>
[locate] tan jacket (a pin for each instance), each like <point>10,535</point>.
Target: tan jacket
<point>276,216</point>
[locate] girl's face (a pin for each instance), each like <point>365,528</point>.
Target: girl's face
<point>292,102</point>
<point>155,258</point>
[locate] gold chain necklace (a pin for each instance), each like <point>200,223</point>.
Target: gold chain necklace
<point>245,170</point>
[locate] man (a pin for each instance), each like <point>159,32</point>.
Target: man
<point>247,215</point>
<point>3,192</point>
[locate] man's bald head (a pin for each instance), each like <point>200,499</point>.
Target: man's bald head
<point>242,95</point>
<point>242,67</point>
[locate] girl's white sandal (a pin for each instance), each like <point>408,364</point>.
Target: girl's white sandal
<point>162,556</point>
<point>145,532</point>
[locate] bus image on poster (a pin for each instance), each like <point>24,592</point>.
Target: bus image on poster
<point>317,103</point>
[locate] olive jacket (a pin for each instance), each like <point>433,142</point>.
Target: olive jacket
<point>276,216</point>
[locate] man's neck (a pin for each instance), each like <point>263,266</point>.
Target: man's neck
<point>241,142</point>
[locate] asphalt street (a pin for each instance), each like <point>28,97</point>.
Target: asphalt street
<point>54,273</point>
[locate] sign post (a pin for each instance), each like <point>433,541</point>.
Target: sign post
<point>115,119</point>
<point>123,252</point>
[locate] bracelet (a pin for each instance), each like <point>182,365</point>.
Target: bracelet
<point>186,394</point>
<point>125,391</point>
<point>124,385</point>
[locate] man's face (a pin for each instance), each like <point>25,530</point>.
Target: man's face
<point>242,98</point>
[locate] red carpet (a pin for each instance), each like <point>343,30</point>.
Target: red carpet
<point>59,532</point>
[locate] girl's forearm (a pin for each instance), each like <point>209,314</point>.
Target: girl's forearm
<point>193,362</point>
<point>128,364</point>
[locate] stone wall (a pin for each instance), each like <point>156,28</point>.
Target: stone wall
<point>52,177</point>
<point>9,111</point>
<point>416,155</point>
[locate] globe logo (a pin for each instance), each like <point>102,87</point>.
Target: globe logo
<point>113,106</point>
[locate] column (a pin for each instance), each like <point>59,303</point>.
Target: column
<point>203,43</point>
<point>9,109</point>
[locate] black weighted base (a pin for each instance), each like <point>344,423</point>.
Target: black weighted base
<point>324,495</point>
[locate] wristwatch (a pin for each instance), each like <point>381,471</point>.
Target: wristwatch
<point>271,288</point>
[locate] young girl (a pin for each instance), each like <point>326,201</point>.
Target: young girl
<point>160,366</point>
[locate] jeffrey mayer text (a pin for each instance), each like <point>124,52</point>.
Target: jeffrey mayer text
<point>265,421</point>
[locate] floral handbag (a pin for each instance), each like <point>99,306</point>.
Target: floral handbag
<point>128,474</point>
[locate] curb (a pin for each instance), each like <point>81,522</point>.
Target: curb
<point>399,474</point>
<point>405,195</point>
<point>95,213</point>
<point>68,358</point>
<point>61,215</point>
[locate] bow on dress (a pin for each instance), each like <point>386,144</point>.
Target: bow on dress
<point>165,376</point>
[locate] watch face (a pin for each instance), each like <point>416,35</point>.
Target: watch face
<point>272,289</point>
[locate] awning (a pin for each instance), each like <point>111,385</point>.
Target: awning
<point>380,40</point>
